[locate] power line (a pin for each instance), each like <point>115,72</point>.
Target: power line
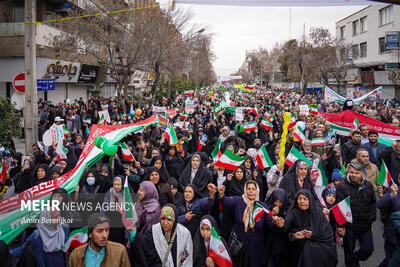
<point>93,15</point>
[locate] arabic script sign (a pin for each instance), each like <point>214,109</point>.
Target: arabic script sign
<point>88,74</point>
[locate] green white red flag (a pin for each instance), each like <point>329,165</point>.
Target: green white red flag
<point>266,124</point>
<point>129,216</point>
<point>280,95</point>
<point>217,251</point>
<point>384,177</point>
<point>126,153</point>
<point>258,211</point>
<point>230,160</point>
<point>313,109</point>
<point>216,153</point>
<point>170,135</point>
<point>342,212</point>
<point>102,120</point>
<point>318,174</point>
<point>292,121</point>
<point>77,238</point>
<point>61,152</point>
<point>340,130</point>
<point>294,155</point>
<point>318,141</point>
<point>248,127</point>
<point>3,171</point>
<point>299,135</point>
<point>263,158</point>
<point>87,121</point>
<point>343,169</point>
<point>356,124</point>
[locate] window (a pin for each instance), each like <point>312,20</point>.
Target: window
<point>386,15</point>
<point>363,24</point>
<point>342,33</point>
<point>363,49</point>
<point>354,51</point>
<point>382,45</point>
<point>355,27</point>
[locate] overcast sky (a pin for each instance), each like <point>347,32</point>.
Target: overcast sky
<point>238,29</point>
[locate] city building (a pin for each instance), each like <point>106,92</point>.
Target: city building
<point>76,75</point>
<point>373,34</point>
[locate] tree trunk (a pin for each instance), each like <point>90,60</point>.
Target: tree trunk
<point>156,78</point>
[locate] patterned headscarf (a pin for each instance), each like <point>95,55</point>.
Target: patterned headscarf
<point>247,215</point>
<point>167,212</point>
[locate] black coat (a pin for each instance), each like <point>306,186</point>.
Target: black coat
<point>349,151</point>
<point>362,202</point>
<point>392,161</point>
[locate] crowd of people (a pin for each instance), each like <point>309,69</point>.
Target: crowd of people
<point>182,197</point>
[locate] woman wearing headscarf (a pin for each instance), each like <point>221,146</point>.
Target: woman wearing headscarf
<point>173,162</point>
<point>168,242</point>
<point>235,182</point>
<point>201,242</point>
<point>197,175</point>
<point>42,174</point>
<point>298,177</point>
<point>158,162</point>
<point>247,237</point>
<point>226,133</point>
<point>163,188</point>
<point>310,233</point>
<point>113,201</point>
<point>277,245</point>
<point>49,237</point>
<point>148,207</point>
<point>87,192</point>
<point>195,207</point>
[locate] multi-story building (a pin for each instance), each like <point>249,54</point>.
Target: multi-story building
<point>76,75</point>
<point>373,34</point>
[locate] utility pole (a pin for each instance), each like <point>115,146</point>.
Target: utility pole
<point>30,111</point>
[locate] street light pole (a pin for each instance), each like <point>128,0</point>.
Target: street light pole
<point>30,111</point>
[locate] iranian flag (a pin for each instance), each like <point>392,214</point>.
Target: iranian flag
<point>266,124</point>
<point>170,135</point>
<point>3,169</point>
<point>356,124</point>
<point>126,153</point>
<point>129,216</point>
<point>384,177</point>
<point>189,92</point>
<point>248,127</point>
<point>313,109</point>
<point>263,159</point>
<point>176,94</point>
<point>343,169</point>
<point>258,211</point>
<point>318,174</point>
<point>269,116</point>
<point>292,121</point>
<point>294,155</point>
<point>216,153</point>
<point>318,141</point>
<point>299,135</point>
<point>164,99</point>
<point>87,121</point>
<point>387,106</point>
<point>340,130</point>
<point>230,160</point>
<point>217,251</point>
<point>61,152</point>
<point>101,121</point>
<point>280,95</point>
<point>77,238</point>
<point>342,212</point>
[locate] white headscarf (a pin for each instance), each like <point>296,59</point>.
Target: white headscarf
<point>52,235</point>
<point>247,214</point>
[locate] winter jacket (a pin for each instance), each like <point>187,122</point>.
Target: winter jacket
<point>388,204</point>
<point>371,173</point>
<point>349,151</point>
<point>362,199</point>
<point>115,255</point>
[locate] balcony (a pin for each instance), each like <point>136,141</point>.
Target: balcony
<point>44,33</point>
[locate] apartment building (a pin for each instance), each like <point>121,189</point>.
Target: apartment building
<point>373,34</point>
<point>76,75</point>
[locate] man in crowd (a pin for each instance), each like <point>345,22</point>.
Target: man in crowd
<point>349,149</point>
<point>99,251</point>
<point>374,148</point>
<point>363,210</point>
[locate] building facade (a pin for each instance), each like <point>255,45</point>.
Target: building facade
<point>371,34</point>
